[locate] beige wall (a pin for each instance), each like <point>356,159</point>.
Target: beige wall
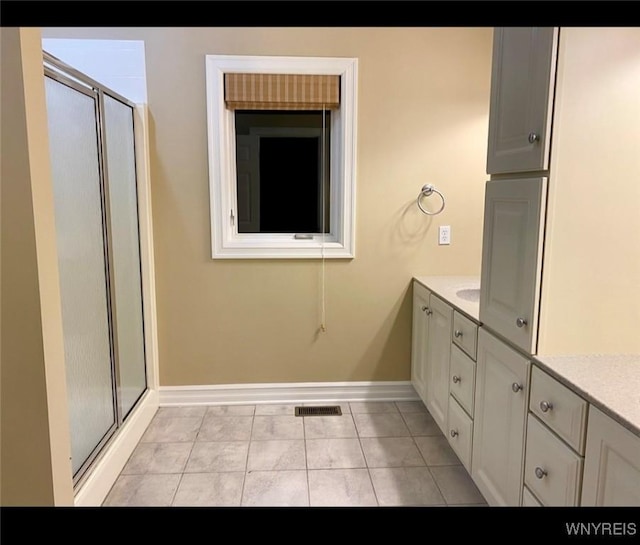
<point>423,109</point>
<point>35,431</point>
<point>591,278</point>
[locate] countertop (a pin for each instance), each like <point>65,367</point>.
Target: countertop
<point>447,286</point>
<point>609,382</point>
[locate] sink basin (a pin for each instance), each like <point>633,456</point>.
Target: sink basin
<point>469,294</point>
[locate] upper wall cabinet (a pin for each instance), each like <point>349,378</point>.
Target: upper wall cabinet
<point>522,83</point>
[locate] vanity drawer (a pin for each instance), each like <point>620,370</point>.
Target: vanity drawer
<point>462,378</point>
<point>528,499</point>
<point>562,410</point>
<point>552,471</point>
<point>460,432</point>
<point>465,334</point>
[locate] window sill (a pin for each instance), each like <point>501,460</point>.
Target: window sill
<point>281,249</point>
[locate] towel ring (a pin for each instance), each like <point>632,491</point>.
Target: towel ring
<point>427,191</point>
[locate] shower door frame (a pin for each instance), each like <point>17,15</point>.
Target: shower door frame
<point>64,74</point>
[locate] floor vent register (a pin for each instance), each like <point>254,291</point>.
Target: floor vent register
<point>333,410</point>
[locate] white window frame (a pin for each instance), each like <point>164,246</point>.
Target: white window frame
<point>226,242</point>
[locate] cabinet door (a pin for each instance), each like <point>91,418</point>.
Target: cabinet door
<point>438,354</point>
<point>499,420</point>
<point>611,464</point>
<point>512,258</point>
<point>420,329</point>
<point>522,83</point>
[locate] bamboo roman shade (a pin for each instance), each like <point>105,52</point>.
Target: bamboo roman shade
<point>281,91</point>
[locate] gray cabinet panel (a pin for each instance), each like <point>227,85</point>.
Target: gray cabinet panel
<point>522,82</point>
<point>499,421</point>
<point>611,464</point>
<point>512,257</point>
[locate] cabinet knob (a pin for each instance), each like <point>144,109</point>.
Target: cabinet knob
<point>540,473</point>
<point>545,406</point>
<point>428,311</point>
<point>533,138</point>
<point>457,333</point>
<point>516,387</point>
<point>424,308</point>
<point>455,379</point>
<point>453,433</point>
<point>521,322</point>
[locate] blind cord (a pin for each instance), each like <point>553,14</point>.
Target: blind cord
<point>323,315</point>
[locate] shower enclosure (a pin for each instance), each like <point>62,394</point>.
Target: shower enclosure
<point>91,138</point>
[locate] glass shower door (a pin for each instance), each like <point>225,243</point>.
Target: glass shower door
<point>92,149</point>
<point>82,262</point>
<point>125,251</point>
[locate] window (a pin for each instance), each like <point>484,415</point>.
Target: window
<point>282,181</point>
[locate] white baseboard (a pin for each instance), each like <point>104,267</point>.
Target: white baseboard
<point>106,469</point>
<point>294,392</point>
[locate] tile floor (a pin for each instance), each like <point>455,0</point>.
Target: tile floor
<point>375,454</point>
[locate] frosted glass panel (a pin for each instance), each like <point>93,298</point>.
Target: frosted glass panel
<point>76,187</point>
<point>121,172</point>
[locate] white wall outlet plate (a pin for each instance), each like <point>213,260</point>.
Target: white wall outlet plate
<point>444,234</point>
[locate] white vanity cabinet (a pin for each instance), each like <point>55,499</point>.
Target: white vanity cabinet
<point>611,464</point>
<point>522,82</point>
<point>528,430</point>
<point>419,335</point>
<point>438,357</point>
<point>431,348</point>
<point>502,387</point>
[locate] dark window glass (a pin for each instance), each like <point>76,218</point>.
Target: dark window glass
<point>279,157</point>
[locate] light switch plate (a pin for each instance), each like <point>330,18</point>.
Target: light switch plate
<point>444,234</point>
